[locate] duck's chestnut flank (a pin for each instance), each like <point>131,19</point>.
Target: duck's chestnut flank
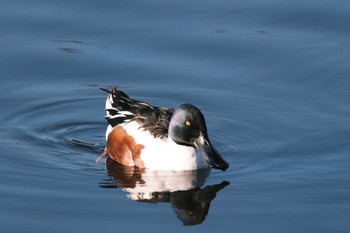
<point>122,148</point>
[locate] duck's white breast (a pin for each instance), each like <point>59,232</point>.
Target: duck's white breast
<point>163,154</point>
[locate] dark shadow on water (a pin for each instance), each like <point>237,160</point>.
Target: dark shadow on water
<point>183,190</point>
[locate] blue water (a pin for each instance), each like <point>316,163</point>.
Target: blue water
<point>271,77</point>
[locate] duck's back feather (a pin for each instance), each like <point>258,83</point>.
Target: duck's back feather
<point>120,109</point>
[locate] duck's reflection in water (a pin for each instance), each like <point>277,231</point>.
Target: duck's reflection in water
<point>182,189</point>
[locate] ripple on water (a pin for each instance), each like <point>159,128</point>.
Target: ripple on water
<point>64,131</point>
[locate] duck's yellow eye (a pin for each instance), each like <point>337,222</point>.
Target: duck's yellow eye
<point>187,123</point>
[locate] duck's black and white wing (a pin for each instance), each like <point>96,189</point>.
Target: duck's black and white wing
<point>121,109</point>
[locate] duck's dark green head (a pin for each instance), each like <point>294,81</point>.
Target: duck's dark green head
<point>187,127</point>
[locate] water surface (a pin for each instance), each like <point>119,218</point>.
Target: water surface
<point>271,78</point>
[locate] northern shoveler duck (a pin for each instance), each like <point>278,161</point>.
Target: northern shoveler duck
<point>157,138</point>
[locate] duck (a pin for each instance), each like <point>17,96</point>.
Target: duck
<point>157,138</point>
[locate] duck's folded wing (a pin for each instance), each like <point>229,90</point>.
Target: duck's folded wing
<point>120,109</point>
